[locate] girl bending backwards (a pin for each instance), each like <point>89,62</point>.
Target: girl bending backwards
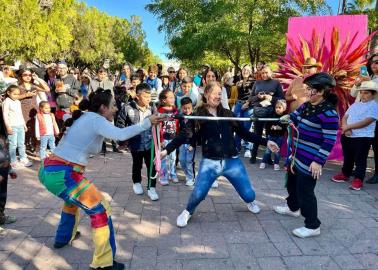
<point>220,156</point>
<point>62,174</point>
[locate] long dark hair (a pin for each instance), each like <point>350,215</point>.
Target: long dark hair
<point>369,62</point>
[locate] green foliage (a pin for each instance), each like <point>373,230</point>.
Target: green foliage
<point>70,30</point>
<point>238,30</point>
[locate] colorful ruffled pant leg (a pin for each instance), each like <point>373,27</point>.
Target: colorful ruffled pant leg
<point>69,183</point>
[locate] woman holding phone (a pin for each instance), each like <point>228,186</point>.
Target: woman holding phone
<point>30,86</point>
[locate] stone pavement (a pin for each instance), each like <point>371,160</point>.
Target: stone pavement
<point>221,235</point>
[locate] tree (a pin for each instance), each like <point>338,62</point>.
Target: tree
<point>242,30</point>
<point>48,30</point>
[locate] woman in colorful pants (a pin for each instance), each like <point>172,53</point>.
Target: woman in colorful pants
<point>62,175</point>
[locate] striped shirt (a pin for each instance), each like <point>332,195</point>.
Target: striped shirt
<point>317,127</point>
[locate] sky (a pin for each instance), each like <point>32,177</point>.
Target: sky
<point>156,41</point>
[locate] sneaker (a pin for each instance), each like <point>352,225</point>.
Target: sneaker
<point>215,184</point>
<point>26,162</point>
<point>138,189</point>
<point>304,232</point>
<point>276,167</point>
<point>373,179</point>
<point>7,220</point>
<point>116,150</point>
<point>340,178</point>
<point>183,218</point>
<point>285,210</point>
<point>164,182</point>
<point>253,207</point>
<point>152,194</point>
<point>262,165</point>
<point>247,154</point>
<point>14,165</point>
<point>115,266</point>
<point>174,180</point>
<point>2,230</point>
<point>356,184</point>
<point>189,183</point>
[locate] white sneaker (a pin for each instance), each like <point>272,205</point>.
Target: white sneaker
<point>183,218</point>
<point>285,210</point>
<point>276,167</point>
<point>138,189</point>
<point>304,232</point>
<point>26,162</point>
<point>247,154</point>
<point>215,184</point>
<point>253,207</point>
<point>189,183</point>
<point>262,165</point>
<point>152,194</point>
<point>14,165</point>
<point>164,182</point>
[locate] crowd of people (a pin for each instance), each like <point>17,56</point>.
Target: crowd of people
<point>62,115</point>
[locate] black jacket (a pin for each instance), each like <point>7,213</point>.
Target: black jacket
<point>217,137</point>
<point>130,115</point>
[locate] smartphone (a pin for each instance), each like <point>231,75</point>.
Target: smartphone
<point>363,71</point>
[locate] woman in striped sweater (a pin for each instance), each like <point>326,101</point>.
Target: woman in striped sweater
<point>317,122</point>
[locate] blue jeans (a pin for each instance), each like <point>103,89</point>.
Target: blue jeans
<point>277,156</point>
<point>17,141</point>
<point>168,165</point>
<point>247,125</point>
<point>210,169</point>
<point>186,159</point>
<point>46,140</point>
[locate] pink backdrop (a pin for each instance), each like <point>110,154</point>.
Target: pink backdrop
<point>347,25</point>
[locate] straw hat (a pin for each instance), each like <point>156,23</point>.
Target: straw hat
<point>311,62</point>
<point>365,85</point>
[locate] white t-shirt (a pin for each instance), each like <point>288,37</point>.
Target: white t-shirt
<point>359,111</point>
<point>12,113</point>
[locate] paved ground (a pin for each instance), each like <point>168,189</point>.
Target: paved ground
<point>221,235</point>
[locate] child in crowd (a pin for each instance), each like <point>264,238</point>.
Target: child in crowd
<point>154,82</point>
<point>15,125</point>
<point>186,91</point>
<point>187,145</point>
<point>76,102</point>
<point>140,146</point>
<point>46,128</point>
<point>168,131</point>
<point>358,125</point>
<point>275,132</point>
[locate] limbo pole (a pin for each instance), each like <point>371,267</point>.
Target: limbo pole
<point>219,118</point>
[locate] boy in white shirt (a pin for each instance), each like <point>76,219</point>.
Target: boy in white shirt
<point>358,126</point>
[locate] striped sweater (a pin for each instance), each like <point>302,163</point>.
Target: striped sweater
<point>317,127</point>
